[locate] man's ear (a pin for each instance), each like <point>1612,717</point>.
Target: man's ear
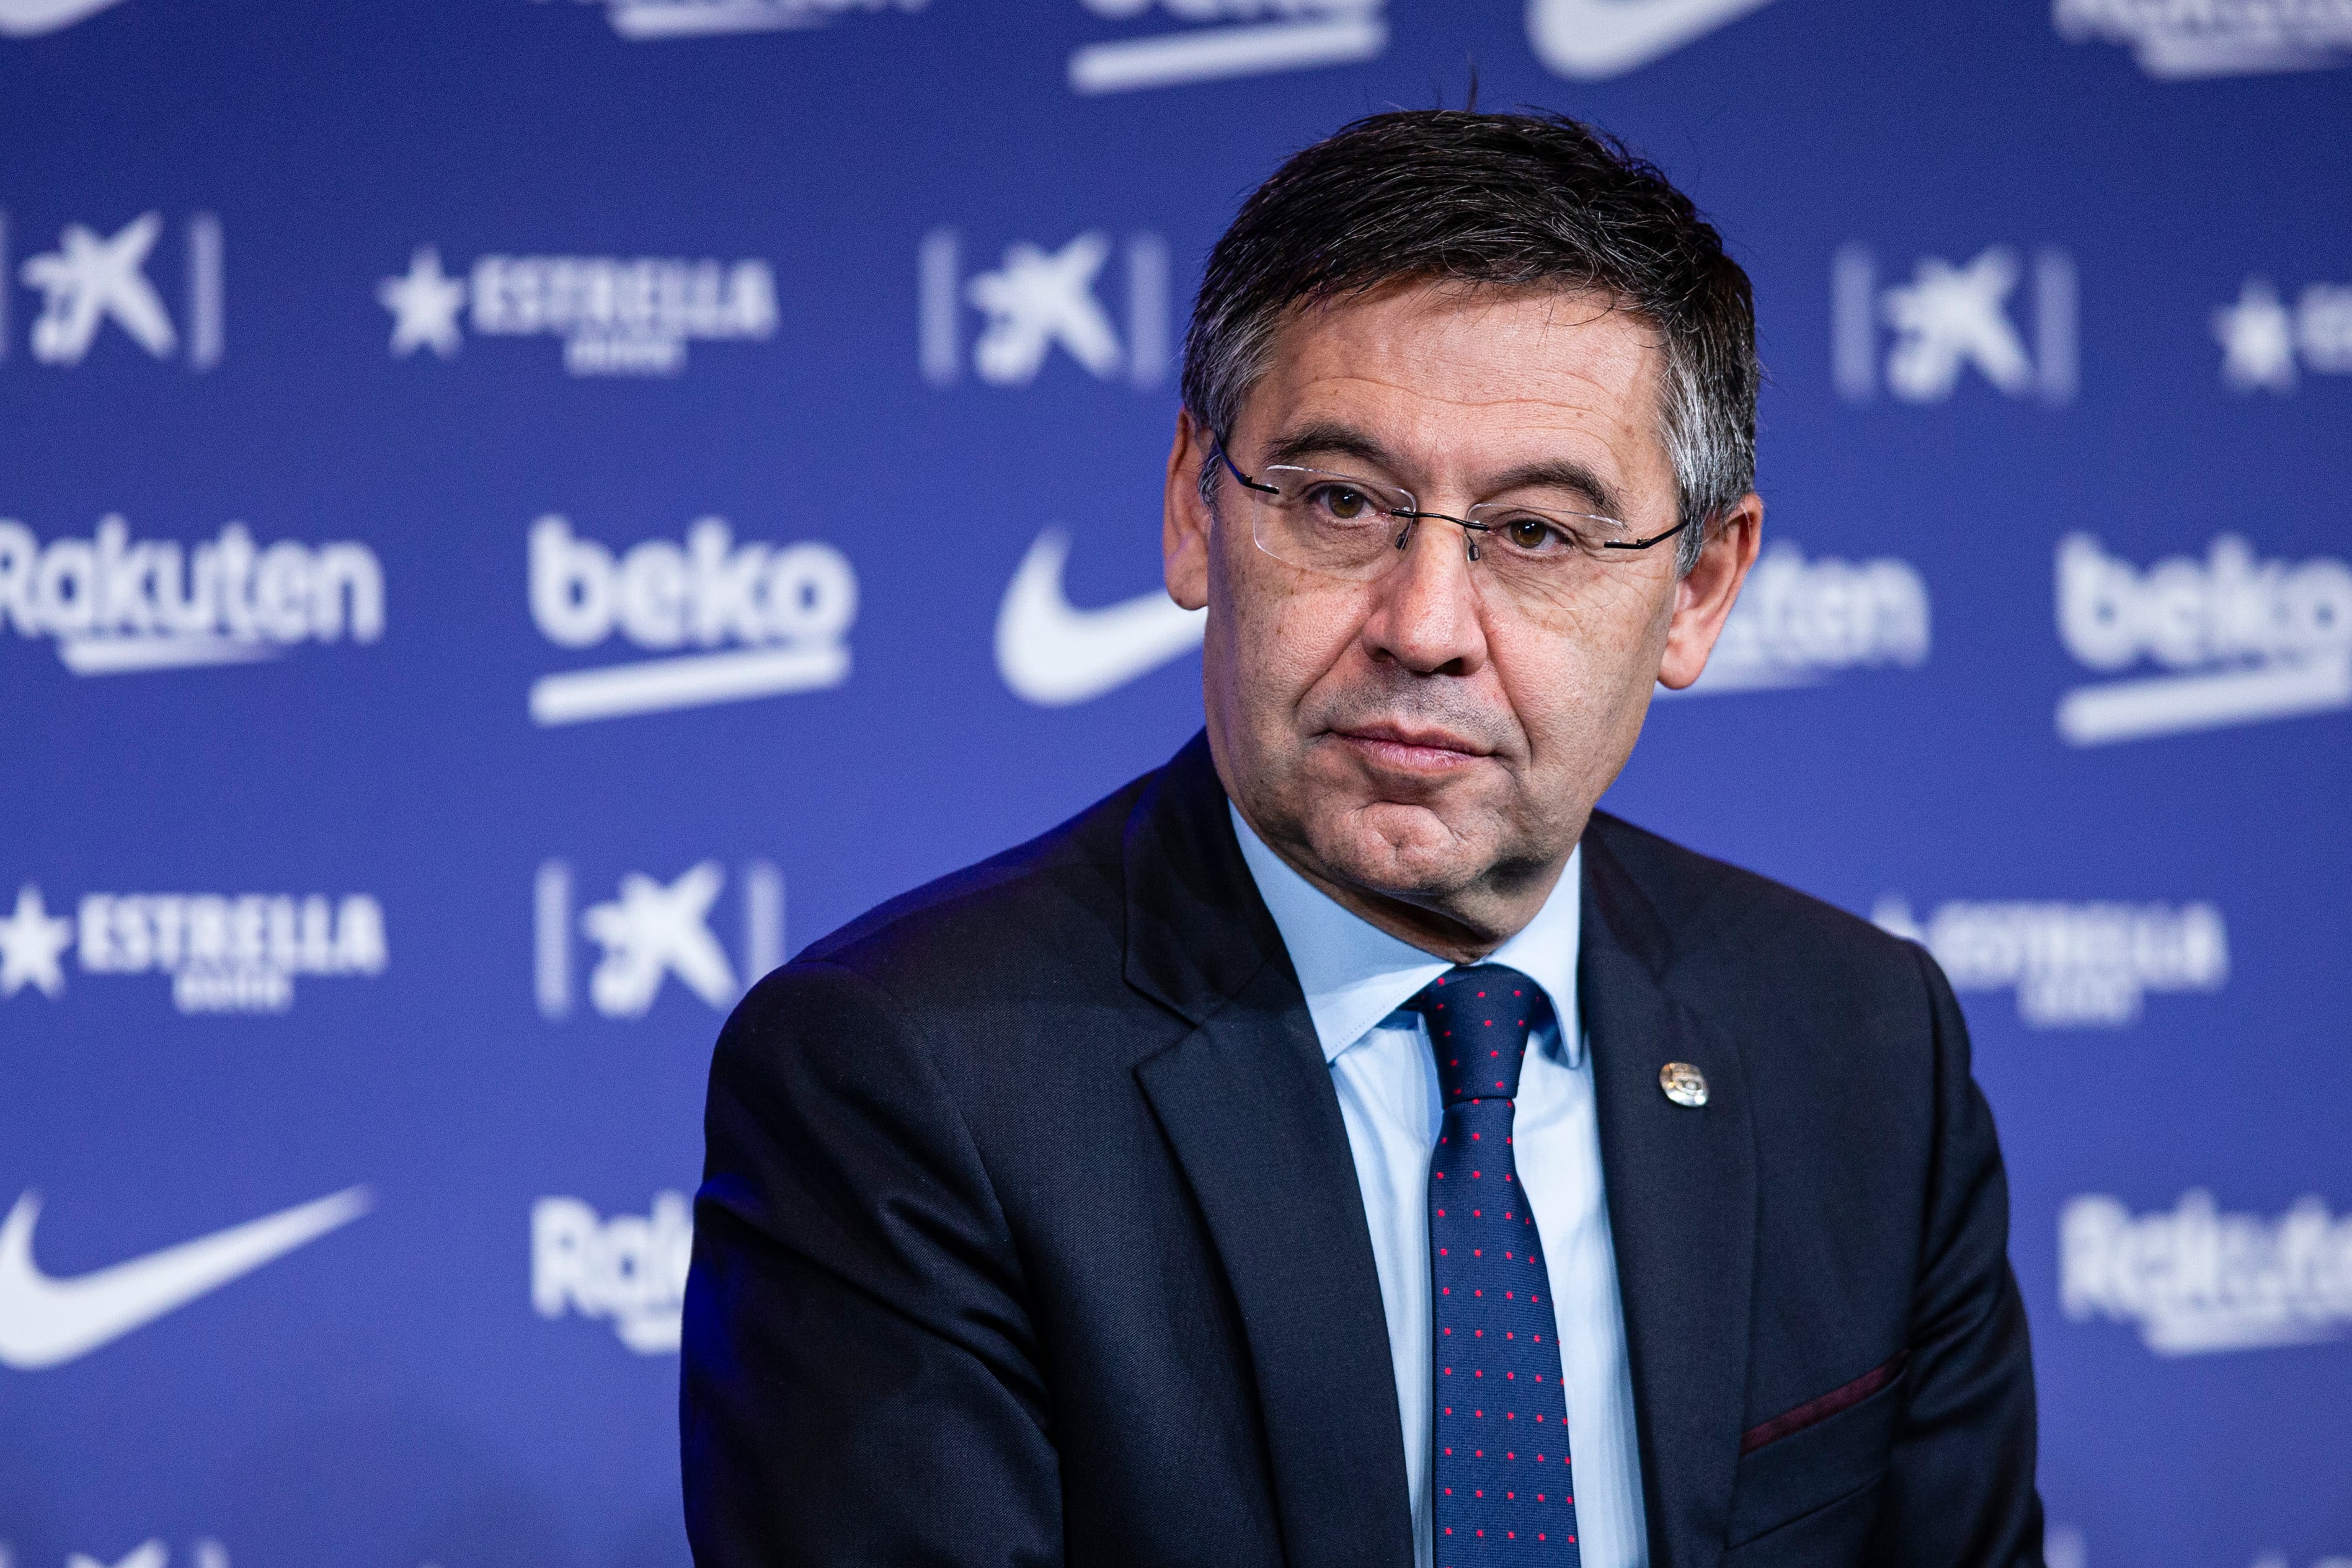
<point>1186,519</point>
<point>1703,599</point>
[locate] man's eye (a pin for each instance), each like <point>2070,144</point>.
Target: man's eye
<point>1532,533</point>
<point>1346,504</point>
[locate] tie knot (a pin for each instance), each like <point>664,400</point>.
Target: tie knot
<point>1478,1017</point>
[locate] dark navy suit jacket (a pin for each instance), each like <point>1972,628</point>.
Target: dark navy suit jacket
<point>1030,1233</point>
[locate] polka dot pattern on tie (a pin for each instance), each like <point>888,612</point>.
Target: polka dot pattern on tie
<point>1504,1490</point>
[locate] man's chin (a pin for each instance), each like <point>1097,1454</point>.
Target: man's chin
<point>1397,850</point>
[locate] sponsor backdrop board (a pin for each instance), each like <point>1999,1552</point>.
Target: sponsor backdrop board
<point>520,513</point>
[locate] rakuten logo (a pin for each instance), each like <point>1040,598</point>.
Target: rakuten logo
<point>2241,640</point>
<point>2185,40</point>
<point>117,604</point>
<point>1799,621</point>
<point>651,21</point>
<point>788,608</point>
<point>2197,1280</point>
<point>629,1270</point>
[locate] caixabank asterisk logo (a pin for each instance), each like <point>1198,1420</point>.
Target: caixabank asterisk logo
<point>650,932</point>
<point>1989,321</point>
<point>1042,303</point>
<point>103,289</point>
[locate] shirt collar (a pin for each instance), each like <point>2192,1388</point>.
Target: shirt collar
<point>1355,974</point>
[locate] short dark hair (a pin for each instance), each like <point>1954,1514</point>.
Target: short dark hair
<point>1509,199</point>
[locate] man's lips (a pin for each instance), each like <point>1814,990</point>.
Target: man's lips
<point>1411,746</point>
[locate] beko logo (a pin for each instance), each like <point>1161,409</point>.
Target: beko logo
<point>786,609</point>
<point>2237,639</point>
<point>2197,1280</point>
<point>116,604</point>
<point>1216,39</point>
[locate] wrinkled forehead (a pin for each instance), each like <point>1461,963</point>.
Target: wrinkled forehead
<point>1462,379</point>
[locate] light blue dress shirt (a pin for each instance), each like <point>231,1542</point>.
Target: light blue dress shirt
<point>1356,978</point>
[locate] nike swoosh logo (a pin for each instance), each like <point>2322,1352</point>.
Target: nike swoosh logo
<point>31,18</point>
<point>45,1323</point>
<point>1053,655</point>
<point>1590,40</point>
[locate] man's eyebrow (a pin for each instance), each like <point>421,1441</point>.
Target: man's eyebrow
<point>1327,438</point>
<point>1560,474</point>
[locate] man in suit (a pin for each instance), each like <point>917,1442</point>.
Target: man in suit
<point>1345,1146</point>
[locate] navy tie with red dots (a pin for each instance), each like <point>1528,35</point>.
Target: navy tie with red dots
<point>1503,1489</point>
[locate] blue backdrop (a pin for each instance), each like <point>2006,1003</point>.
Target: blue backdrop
<point>520,513</point>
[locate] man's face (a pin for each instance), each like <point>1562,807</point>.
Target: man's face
<point>1425,745</point>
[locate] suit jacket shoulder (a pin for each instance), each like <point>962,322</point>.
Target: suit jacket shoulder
<point>1053,904</point>
<point>1721,926</point>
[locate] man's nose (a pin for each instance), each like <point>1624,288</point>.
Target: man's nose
<point>1425,612</point>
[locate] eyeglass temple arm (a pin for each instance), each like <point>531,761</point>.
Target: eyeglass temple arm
<point>1645,544</point>
<point>1218,442</point>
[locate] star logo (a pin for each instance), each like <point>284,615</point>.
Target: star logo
<point>1036,301</point>
<point>31,940</point>
<point>653,931</point>
<point>2257,339</point>
<point>423,305</point>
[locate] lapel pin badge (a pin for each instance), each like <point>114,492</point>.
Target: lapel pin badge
<point>1683,1085</point>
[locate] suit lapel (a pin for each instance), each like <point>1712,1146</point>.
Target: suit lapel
<point>1682,1209</point>
<point>1246,1102</point>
